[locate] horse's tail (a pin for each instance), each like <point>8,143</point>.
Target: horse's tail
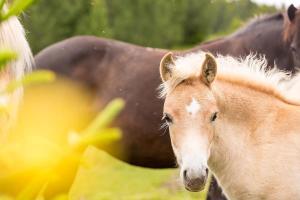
<point>12,36</point>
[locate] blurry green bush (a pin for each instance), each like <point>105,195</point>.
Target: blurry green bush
<point>159,23</point>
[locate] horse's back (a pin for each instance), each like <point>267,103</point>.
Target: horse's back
<point>81,56</point>
<point>117,69</point>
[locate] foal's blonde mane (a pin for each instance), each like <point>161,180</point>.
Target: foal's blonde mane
<point>251,71</point>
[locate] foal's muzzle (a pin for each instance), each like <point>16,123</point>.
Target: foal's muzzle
<point>194,180</point>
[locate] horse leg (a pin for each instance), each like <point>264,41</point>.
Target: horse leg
<point>215,192</point>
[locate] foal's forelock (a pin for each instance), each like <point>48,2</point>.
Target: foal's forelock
<point>251,71</point>
<point>183,68</point>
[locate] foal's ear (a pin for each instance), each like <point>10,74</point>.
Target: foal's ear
<point>209,69</point>
<point>165,67</point>
<point>291,12</point>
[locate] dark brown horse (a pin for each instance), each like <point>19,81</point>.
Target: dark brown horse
<point>292,32</point>
<point>110,69</point>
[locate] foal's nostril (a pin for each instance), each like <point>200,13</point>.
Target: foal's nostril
<point>206,171</point>
<point>293,48</point>
<point>185,175</point>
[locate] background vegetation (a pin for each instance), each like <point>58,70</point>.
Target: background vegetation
<point>155,23</point>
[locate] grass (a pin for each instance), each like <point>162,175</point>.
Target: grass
<point>99,177</point>
<point>104,177</point>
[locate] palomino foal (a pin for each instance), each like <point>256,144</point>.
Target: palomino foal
<point>237,122</point>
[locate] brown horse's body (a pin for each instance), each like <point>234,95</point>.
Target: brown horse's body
<point>111,69</point>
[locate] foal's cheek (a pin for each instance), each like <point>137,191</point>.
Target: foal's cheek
<point>211,134</point>
<point>175,138</point>
<point>173,141</point>
<point>177,154</point>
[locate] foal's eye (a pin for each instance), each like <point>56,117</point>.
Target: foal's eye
<point>167,118</point>
<point>214,117</point>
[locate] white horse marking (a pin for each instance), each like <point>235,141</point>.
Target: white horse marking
<point>193,108</point>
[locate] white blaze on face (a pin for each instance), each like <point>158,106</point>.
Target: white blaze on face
<point>193,108</point>
<point>194,149</point>
<point>193,153</point>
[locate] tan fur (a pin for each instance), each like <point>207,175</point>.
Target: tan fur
<point>258,144</point>
<point>165,71</point>
<point>258,86</point>
<point>252,72</point>
<point>253,147</point>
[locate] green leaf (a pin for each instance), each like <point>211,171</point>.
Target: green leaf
<point>6,56</point>
<point>102,137</point>
<point>105,117</point>
<point>37,77</point>
<point>2,2</point>
<point>17,7</point>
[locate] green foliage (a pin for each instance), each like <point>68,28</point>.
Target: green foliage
<point>37,77</point>
<point>6,56</point>
<point>98,132</point>
<point>149,23</point>
<point>158,23</point>
<point>16,8</point>
<point>51,21</point>
<point>224,12</point>
<point>105,117</point>
<point>197,22</point>
<point>94,22</point>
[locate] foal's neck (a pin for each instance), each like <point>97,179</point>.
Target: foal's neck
<point>245,108</point>
<point>245,120</point>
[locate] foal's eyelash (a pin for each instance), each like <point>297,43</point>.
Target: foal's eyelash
<point>164,127</point>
